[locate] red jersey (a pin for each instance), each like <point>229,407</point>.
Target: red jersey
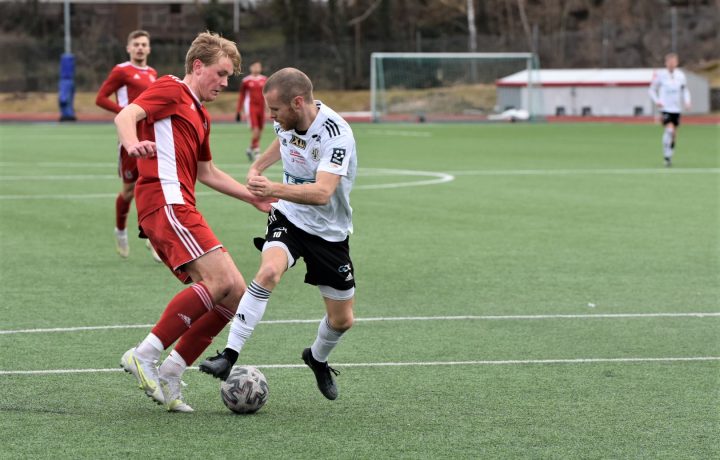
<point>127,81</point>
<point>180,126</point>
<point>251,95</point>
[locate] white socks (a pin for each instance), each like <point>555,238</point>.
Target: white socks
<point>150,348</point>
<point>249,313</point>
<point>174,365</point>
<point>667,142</point>
<point>326,340</point>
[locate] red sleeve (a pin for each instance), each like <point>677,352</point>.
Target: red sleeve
<point>204,154</point>
<point>160,99</point>
<point>241,98</point>
<point>111,84</point>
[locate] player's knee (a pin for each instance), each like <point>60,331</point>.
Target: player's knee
<point>128,194</point>
<point>269,276</point>
<point>343,322</point>
<point>223,285</point>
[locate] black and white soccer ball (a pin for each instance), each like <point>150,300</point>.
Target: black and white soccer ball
<point>245,390</point>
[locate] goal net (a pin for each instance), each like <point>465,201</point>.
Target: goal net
<point>453,86</point>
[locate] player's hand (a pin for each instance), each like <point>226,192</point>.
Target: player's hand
<point>238,116</point>
<point>143,149</point>
<point>260,186</point>
<point>263,203</point>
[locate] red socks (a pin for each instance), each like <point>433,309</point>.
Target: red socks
<point>187,306</point>
<point>196,340</point>
<point>122,208</point>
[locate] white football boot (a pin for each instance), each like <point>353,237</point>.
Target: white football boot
<point>128,363</point>
<point>171,386</point>
<point>121,243</point>
<point>146,372</point>
<point>154,254</point>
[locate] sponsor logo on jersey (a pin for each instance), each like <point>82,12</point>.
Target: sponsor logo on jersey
<point>315,154</point>
<point>136,77</point>
<point>296,157</point>
<point>338,155</point>
<point>296,141</point>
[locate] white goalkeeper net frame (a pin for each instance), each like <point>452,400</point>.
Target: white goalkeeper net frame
<point>453,87</point>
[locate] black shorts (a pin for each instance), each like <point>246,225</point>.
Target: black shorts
<point>328,263</point>
<point>673,118</point>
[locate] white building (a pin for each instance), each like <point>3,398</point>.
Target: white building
<point>593,92</point>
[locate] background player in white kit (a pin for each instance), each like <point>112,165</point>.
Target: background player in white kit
<point>312,220</point>
<point>669,92</point>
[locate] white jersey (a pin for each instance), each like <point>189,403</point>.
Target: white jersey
<point>328,146</point>
<point>670,89</point>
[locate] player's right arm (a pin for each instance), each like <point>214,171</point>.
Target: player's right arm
<point>241,100</point>
<point>654,88</point>
<point>126,124</point>
<point>111,84</point>
<point>270,156</point>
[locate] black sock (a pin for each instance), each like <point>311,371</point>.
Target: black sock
<point>231,355</point>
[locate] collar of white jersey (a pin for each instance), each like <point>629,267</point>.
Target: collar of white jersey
<point>320,118</point>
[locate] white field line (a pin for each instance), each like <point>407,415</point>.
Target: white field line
<point>77,177</point>
<point>437,178</point>
<point>582,172</point>
<point>506,362</point>
<point>396,318</point>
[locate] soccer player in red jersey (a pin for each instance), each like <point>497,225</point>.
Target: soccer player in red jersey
<point>127,81</point>
<point>252,103</point>
<point>167,128</point>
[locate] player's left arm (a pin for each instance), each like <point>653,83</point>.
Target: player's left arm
<point>219,180</point>
<point>686,95</point>
<point>316,194</point>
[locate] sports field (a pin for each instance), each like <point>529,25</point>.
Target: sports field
<point>524,291</point>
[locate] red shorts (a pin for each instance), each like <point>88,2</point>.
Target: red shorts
<point>179,235</point>
<point>127,166</point>
<point>256,117</point>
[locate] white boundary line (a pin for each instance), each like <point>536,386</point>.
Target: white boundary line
<point>396,318</point>
<point>437,178</point>
<point>507,362</point>
<point>573,172</point>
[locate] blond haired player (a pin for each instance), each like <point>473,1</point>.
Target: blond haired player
<point>670,93</point>
<point>168,129</point>
<point>126,81</point>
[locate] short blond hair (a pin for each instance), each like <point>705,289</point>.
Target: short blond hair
<point>289,82</point>
<point>138,33</point>
<point>209,48</point>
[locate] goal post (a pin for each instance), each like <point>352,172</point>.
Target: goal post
<point>454,86</point>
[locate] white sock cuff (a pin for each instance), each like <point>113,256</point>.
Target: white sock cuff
<point>155,342</point>
<point>176,358</point>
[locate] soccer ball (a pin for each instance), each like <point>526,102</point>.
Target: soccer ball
<point>245,391</point>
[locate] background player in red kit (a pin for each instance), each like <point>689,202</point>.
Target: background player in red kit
<point>168,129</point>
<point>127,81</point>
<point>252,103</point>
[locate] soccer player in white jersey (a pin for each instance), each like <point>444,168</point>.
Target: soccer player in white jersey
<point>669,92</point>
<point>312,220</point>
